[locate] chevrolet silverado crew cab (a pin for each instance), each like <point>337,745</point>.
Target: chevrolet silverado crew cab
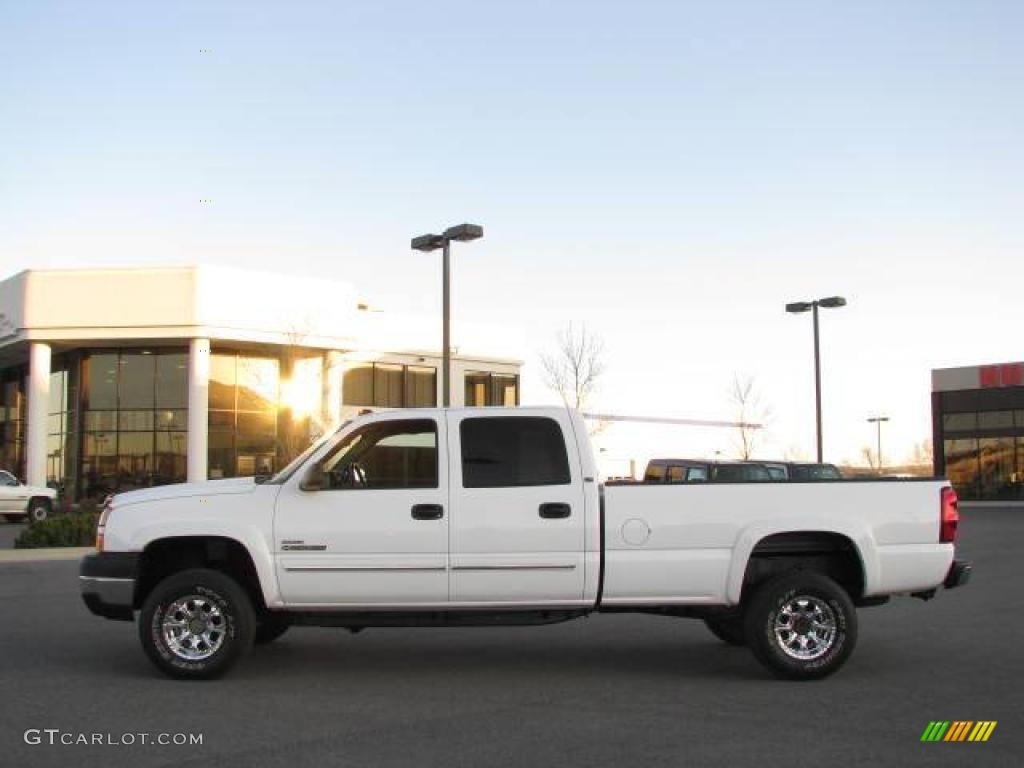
<point>495,517</point>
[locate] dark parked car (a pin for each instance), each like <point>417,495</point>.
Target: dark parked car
<point>813,471</point>
<point>700,471</point>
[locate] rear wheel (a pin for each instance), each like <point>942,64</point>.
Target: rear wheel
<point>801,625</point>
<point>196,624</point>
<point>727,629</point>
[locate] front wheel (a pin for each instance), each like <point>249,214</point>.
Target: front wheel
<point>196,624</point>
<point>801,625</point>
<point>38,510</point>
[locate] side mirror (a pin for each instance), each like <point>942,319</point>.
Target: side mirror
<point>315,478</point>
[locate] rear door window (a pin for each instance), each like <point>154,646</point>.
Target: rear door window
<point>511,451</point>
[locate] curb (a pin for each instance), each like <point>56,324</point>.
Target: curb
<point>32,555</point>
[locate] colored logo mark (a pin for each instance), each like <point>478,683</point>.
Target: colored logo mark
<point>958,730</point>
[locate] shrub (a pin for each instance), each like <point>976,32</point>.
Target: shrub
<point>77,529</point>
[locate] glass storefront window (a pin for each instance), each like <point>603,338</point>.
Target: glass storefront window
<point>491,389</point>
<point>134,422</point>
<point>172,380</point>
<point>170,464</point>
<point>420,387</point>
<point>476,389</point>
<point>99,381</point>
<point>390,385</point>
<point>242,422</point>
<point>962,466</point>
<point>959,422</point>
<point>504,390</point>
<point>220,453</point>
<point>357,386</point>
<point>136,380</point>
<point>222,382</point>
<point>258,379</point>
<point>57,429</point>
<point>997,468</point>
<point>12,421</point>
<point>388,391</point>
<point>995,420</point>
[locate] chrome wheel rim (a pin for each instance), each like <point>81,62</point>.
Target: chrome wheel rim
<point>193,628</point>
<point>805,628</point>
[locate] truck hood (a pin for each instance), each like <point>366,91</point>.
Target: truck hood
<point>181,490</point>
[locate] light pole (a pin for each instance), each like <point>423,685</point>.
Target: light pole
<point>802,306</point>
<point>877,421</point>
<point>427,243</point>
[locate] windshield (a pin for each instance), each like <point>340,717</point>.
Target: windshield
<point>299,460</point>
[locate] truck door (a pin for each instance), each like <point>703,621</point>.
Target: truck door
<point>517,510</point>
<point>370,527</point>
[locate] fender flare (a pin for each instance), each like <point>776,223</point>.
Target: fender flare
<point>859,535</point>
<point>248,538</point>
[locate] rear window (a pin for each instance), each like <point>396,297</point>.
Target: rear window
<point>511,451</point>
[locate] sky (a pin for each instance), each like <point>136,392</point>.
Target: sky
<point>668,173</point>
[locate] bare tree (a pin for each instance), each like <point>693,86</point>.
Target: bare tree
<point>751,414</point>
<point>870,456</point>
<point>575,367</point>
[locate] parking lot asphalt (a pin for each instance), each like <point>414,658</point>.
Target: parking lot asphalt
<point>611,690</point>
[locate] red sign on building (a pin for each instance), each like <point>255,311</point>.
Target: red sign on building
<point>1007,375</point>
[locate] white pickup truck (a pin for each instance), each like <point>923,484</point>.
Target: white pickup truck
<point>495,517</point>
<point>24,502</point>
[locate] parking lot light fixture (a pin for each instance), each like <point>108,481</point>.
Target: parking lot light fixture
<point>431,242</point>
<point>798,307</point>
<point>877,421</point>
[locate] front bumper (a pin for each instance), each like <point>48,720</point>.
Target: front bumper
<point>959,574</point>
<point>107,581</point>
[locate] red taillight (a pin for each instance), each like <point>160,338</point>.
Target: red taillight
<point>950,516</point>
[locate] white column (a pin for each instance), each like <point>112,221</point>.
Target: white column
<point>38,405</point>
<point>458,383</point>
<point>198,408</point>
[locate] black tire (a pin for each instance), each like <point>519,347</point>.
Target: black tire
<point>38,510</point>
<point>270,627</point>
<point>728,629</point>
<point>823,621</point>
<point>223,610</point>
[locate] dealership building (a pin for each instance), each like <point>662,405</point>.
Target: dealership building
<point>978,430</point>
<point>113,379</point>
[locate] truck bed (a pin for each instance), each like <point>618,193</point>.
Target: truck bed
<point>680,544</point>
